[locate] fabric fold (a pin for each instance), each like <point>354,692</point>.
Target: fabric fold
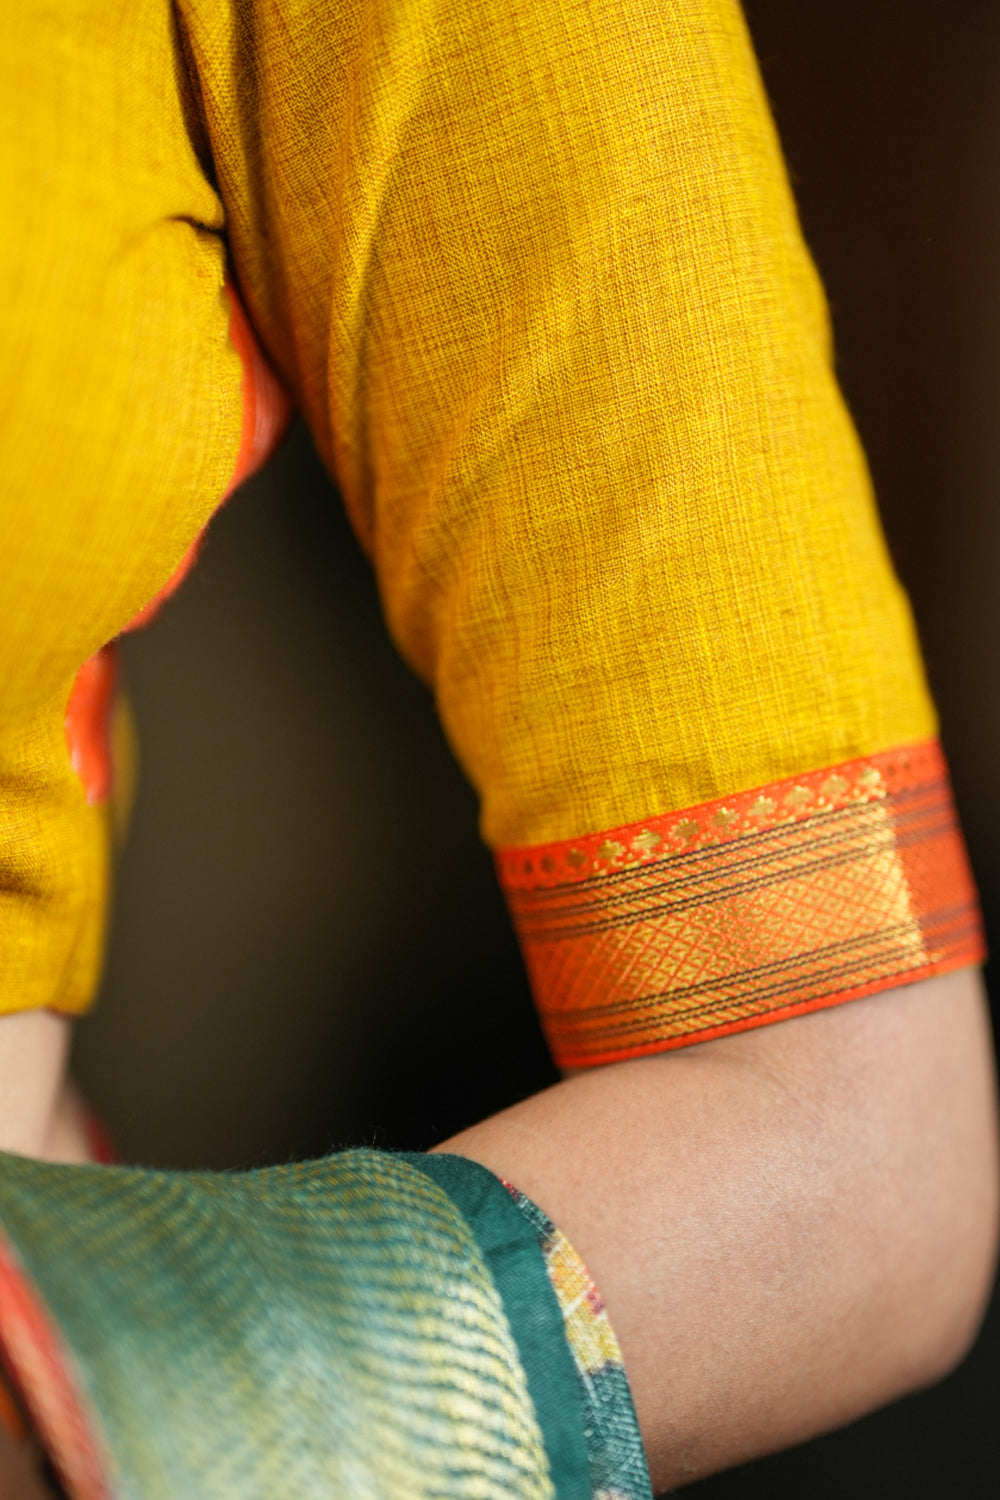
<point>368,1325</point>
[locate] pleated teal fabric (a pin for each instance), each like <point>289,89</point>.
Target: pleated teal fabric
<point>328,1329</point>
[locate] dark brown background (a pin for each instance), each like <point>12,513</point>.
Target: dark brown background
<point>309,948</point>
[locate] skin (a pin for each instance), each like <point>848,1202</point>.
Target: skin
<point>789,1227</point>
<point>40,1115</point>
<point>34,1046</point>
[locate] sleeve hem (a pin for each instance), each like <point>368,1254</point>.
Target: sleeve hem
<point>748,910</point>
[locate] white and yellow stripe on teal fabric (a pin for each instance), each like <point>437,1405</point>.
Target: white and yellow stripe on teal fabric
<point>618,1469</point>
<point>363,1326</point>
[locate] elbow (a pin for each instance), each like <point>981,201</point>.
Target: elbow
<point>927,1180</point>
<point>897,1211</point>
<point>956,1264</point>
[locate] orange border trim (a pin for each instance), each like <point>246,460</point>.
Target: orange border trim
<point>748,910</point>
<point>265,417</point>
<point>33,1352</point>
<point>89,714</point>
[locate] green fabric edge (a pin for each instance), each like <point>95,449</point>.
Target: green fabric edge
<point>514,1258</point>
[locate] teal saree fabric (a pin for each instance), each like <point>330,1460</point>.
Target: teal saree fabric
<point>367,1325</point>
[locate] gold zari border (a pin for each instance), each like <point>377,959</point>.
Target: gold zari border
<point>744,911</point>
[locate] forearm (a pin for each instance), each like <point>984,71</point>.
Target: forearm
<point>789,1227</point>
<point>40,1113</point>
<point>33,1049</point>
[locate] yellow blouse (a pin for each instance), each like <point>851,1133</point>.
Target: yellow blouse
<point>533,273</point>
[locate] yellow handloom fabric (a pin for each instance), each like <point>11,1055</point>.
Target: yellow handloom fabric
<point>119,424</point>
<point>533,273</point>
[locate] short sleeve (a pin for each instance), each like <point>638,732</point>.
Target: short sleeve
<point>535,274</point>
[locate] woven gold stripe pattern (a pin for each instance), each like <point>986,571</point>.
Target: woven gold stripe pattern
<point>746,910</point>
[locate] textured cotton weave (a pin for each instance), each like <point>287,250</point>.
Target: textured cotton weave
<point>533,273</point>
<point>120,419</point>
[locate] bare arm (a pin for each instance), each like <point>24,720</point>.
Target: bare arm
<point>33,1049</point>
<point>40,1113</point>
<point>789,1227</point>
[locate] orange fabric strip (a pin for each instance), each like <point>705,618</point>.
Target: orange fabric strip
<point>266,414</point>
<point>34,1352</point>
<point>88,722</point>
<point>11,1416</point>
<point>744,911</point>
